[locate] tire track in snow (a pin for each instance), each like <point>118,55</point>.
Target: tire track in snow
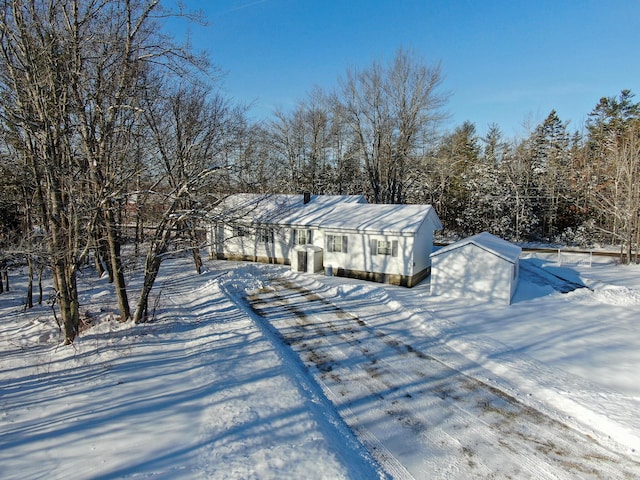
<point>487,427</point>
<point>382,381</point>
<point>321,407</point>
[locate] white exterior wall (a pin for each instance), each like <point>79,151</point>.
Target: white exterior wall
<point>317,238</point>
<point>211,240</point>
<point>424,243</point>
<point>215,242</point>
<point>514,279</point>
<point>402,264</point>
<point>470,271</point>
<point>251,245</point>
<point>359,255</point>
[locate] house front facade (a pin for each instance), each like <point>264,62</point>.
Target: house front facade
<point>343,235</point>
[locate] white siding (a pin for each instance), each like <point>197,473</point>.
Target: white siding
<point>360,256</point>
<point>423,246</point>
<point>314,258</point>
<point>252,245</point>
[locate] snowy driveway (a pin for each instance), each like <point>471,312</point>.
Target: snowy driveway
<point>418,416</point>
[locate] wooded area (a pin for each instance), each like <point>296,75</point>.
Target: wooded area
<point>109,123</point>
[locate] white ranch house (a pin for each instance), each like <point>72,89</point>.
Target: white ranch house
<point>483,266</point>
<point>339,234</point>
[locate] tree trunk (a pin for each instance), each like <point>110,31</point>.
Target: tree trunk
<point>99,254</point>
<point>63,280</point>
<point>151,269</point>
<point>195,250</point>
<point>116,266</point>
<point>157,249</point>
<point>197,259</point>
<point>29,302</point>
<point>139,236</point>
<point>629,244</point>
<point>637,240</point>
<point>62,258</point>
<point>5,276</point>
<point>98,263</point>
<point>40,290</point>
<point>104,255</point>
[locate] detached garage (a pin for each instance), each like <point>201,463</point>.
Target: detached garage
<point>483,266</point>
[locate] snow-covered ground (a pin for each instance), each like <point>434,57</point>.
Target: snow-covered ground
<point>252,371</point>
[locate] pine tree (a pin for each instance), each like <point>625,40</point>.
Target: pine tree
<point>551,162</point>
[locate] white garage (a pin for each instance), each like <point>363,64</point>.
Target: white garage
<point>484,267</point>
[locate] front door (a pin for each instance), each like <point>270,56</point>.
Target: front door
<point>302,261</point>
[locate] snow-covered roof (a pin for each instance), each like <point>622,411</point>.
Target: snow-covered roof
<point>335,212</point>
<point>279,209</point>
<point>319,207</point>
<point>378,218</point>
<point>488,242</point>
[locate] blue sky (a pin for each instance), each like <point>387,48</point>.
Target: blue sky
<point>504,62</point>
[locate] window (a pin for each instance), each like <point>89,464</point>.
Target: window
<point>265,235</point>
<point>301,237</point>
<point>337,243</point>
<point>240,231</point>
<point>384,247</point>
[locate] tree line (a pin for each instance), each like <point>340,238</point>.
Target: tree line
<point>379,133</point>
<point>114,136</point>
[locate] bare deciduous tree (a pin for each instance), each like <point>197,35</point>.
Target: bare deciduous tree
<point>71,75</point>
<point>390,112</point>
<point>192,129</point>
<point>38,112</point>
<point>618,190</point>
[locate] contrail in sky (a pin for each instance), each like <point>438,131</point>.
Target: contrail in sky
<point>246,5</point>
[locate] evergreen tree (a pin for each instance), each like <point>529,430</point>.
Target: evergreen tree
<point>460,152</point>
<point>494,146</point>
<point>551,162</point>
<point>611,116</point>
